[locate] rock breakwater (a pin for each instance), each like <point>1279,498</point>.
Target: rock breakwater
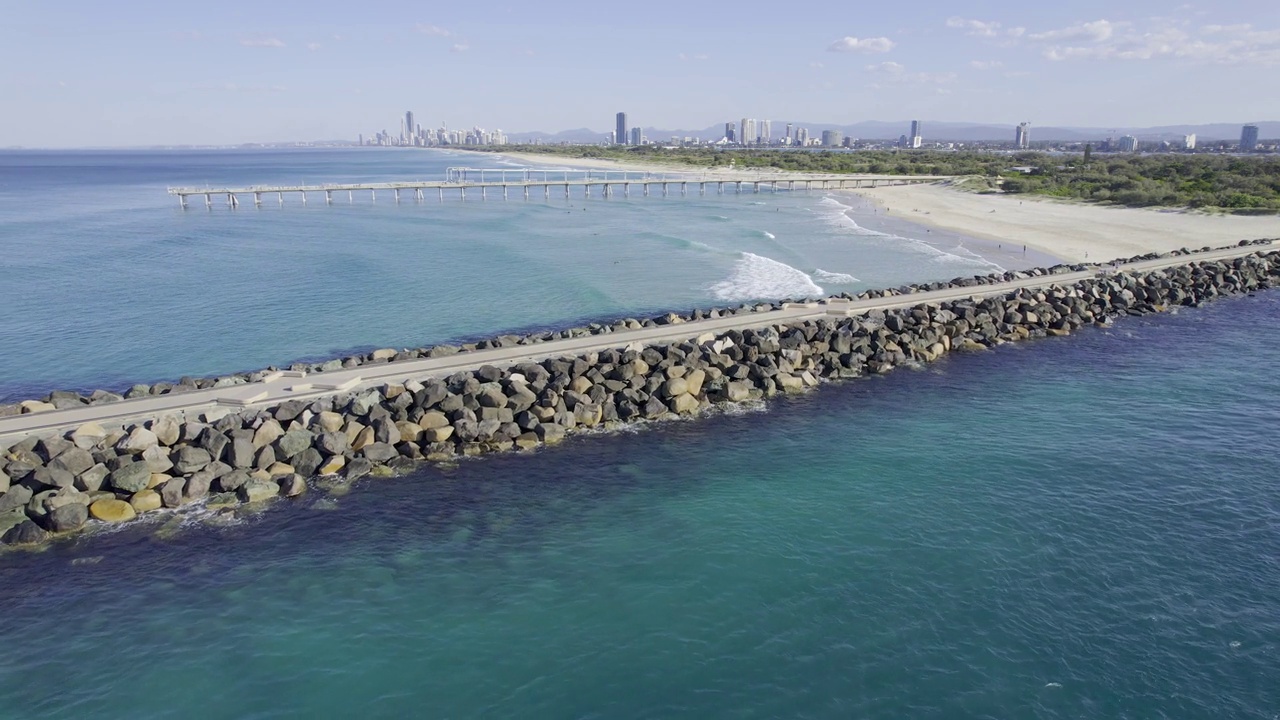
<point>56,485</point>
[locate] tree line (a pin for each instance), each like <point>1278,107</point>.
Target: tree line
<point>1212,182</point>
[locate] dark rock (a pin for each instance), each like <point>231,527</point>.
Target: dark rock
<point>130,478</point>
<point>66,518</point>
<point>293,442</point>
<point>173,492</point>
<point>27,533</point>
<point>378,452</point>
<point>187,460</point>
<point>17,496</point>
<point>239,453</point>
<point>307,462</point>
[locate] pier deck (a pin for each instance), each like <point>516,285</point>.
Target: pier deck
<point>527,182</point>
<point>283,386</point>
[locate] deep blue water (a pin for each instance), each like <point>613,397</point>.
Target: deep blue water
<point>106,282</point>
<point>1085,527</point>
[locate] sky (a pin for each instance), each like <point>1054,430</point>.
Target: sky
<point>76,73</point>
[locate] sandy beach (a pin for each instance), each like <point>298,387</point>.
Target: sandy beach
<point>1068,230</point>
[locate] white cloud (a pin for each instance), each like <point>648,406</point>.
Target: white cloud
<point>314,46</point>
<point>460,47</point>
<point>1096,31</point>
<point>262,42</point>
<point>816,65</point>
<point>985,64</point>
<point>432,30</point>
<point>1212,44</point>
<point>862,45</point>
<point>974,27</point>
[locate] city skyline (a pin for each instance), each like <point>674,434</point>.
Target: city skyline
<point>80,74</point>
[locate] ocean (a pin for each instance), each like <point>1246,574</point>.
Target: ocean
<point>1073,527</point>
<point>107,282</point>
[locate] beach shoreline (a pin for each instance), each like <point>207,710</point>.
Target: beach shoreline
<point>987,224</point>
<point>1071,231</point>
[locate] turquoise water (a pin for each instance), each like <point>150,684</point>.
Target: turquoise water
<point>106,282</point>
<point>1068,528</point>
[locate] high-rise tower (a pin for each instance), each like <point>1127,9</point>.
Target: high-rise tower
<point>916,139</point>
<point>1248,138</point>
<point>1022,136</point>
<point>620,134</point>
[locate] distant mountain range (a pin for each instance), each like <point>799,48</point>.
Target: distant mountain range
<point>938,132</point>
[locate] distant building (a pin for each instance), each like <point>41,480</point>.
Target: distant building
<point>747,134</point>
<point>766,132</point>
<point>789,137</point>
<point>1248,138</point>
<point>409,127</point>
<point>832,138</point>
<point>620,134</point>
<point>1189,142</point>
<point>1022,136</point>
<point>729,133</point>
<point>1128,143</point>
<point>917,134</point>
<point>637,136</point>
<point>802,136</point>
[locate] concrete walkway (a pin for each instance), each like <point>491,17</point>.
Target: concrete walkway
<point>282,386</point>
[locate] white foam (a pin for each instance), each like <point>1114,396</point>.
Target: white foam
<point>834,277</point>
<point>769,235</point>
<point>959,255</point>
<point>758,277</point>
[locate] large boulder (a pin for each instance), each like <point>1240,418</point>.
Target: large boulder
<point>137,441</point>
<point>26,533</point>
<point>257,490</point>
<point>17,496</point>
<point>88,436</point>
<point>112,511</point>
<point>268,432</point>
<point>146,501</point>
<point>167,430</point>
<point>172,493</point>
<point>189,459</point>
<point>74,460</point>
<point>67,518</point>
<point>130,478</point>
<point>293,442</point>
<point>240,453</point>
<point>379,452</point>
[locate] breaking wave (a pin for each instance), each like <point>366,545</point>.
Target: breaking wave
<point>758,277</point>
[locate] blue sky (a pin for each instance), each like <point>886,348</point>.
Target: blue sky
<point>77,73</point>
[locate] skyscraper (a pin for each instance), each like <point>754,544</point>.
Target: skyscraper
<point>747,135</point>
<point>916,139</point>
<point>1128,143</point>
<point>1248,138</point>
<point>789,137</point>
<point>729,134</point>
<point>832,138</point>
<point>766,132</point>
<point>637,136</point>
<point>1189,141</point>
<point>1022,136</point>
<point>620,135</point>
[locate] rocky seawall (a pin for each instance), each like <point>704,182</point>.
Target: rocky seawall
<point>55,486</point>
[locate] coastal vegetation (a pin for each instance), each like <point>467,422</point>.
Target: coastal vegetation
<point>1209,182</point>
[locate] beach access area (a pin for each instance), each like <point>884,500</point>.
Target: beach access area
<point>73,461</point>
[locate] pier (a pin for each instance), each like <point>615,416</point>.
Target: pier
<point>527,183</point>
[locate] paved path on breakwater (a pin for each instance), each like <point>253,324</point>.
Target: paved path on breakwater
<point>283,386</point>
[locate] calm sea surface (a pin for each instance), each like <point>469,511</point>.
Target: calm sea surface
<point>1086,527</point>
